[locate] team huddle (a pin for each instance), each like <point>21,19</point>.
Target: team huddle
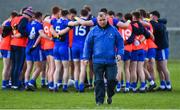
<point>52,47</point>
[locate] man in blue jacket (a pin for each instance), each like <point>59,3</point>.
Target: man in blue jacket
<point>105,45</point>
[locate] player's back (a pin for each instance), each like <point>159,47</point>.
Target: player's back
<point>33,32</point>
<point>58,25</point>
<point>80,33</point>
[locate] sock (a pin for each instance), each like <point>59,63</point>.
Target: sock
<point>76,84</point>
<point>4,83</point>
<point>119,85</point>
<point>43,81</point>
<point>127,84</point>
<point>65,87</point>
<point>134,85</point>
<point>50,85</point>
<point>122,82</point>
<point>26,83</point>
<point>60,81</point>
<point>162,84</point>
<point>81,87</point>
<point>32,81</point>
<point>143,85</point>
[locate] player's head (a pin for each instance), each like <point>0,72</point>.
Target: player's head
<point>13,14</point>
<point>104,10</point>
<point>128,16</point>
<point>155,15</point>
<point>64,13</point>
<point>56,11</point>
<point>119,16</point>
<point>47,18</point>
<point>111,13</point>
<point>143,13</point>
<point>84,13</point>
<point>102,19</point>
<point>38,16</point>
<point>136,16</point>
<point>88,8</point>
<point>28,13</point>
<point>72,13</point>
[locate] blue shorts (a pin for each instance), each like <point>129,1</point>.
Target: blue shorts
<point>34,55</point>
<point>151,53</point>
<point>138,55</point>
<point>126,56</point>
<point>77,53</point>
<point>60,52</point>
<point>162,54</point>
<point>5,54</point>
<point>48,52</point>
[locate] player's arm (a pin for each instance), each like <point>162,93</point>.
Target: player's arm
<point>84,23</point>
<point>73,23</point>
<point>123,25</point>
<point>42,34</point>
<point>54,33</point>
<point>37,42</point>
<point>144,23</point>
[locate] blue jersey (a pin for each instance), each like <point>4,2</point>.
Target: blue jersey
<point>33,29</point>
<point>80,33</point>
<point>58,25</point>
<point>8,23</point>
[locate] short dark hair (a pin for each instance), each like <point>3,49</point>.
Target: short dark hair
<point>143,13</point>
<point>38,15</point>
<point>84,12</point>
<point>128,16</point>
<point>155,13</point>
<point>136,14</point>
<point>119,14</point>
<point>87,7</point>
<point>111,13</point>
<point>103,10</point>
<point>14,14</point>
<point>73,11</point>
<point>55,10</point>
<point>64,12</point>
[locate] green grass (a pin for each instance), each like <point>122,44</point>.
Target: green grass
<point>49,100</point>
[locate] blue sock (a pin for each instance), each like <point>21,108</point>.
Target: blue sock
<point>119,85</point>
<point>50,84</point>
<point>122,82</point>
<point>163,83</point>
<point>4,83</point>
<point>65,87</point>
<point>143,84</point>
<point>127,84</point>
<point>43,82</point>
<point>77,84</point>
<point>32,81</point>
<point>134,85</point>
<point>81,87</point>
<point>60,81</point>
<point>168,83</point>
<point>26,83</point>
